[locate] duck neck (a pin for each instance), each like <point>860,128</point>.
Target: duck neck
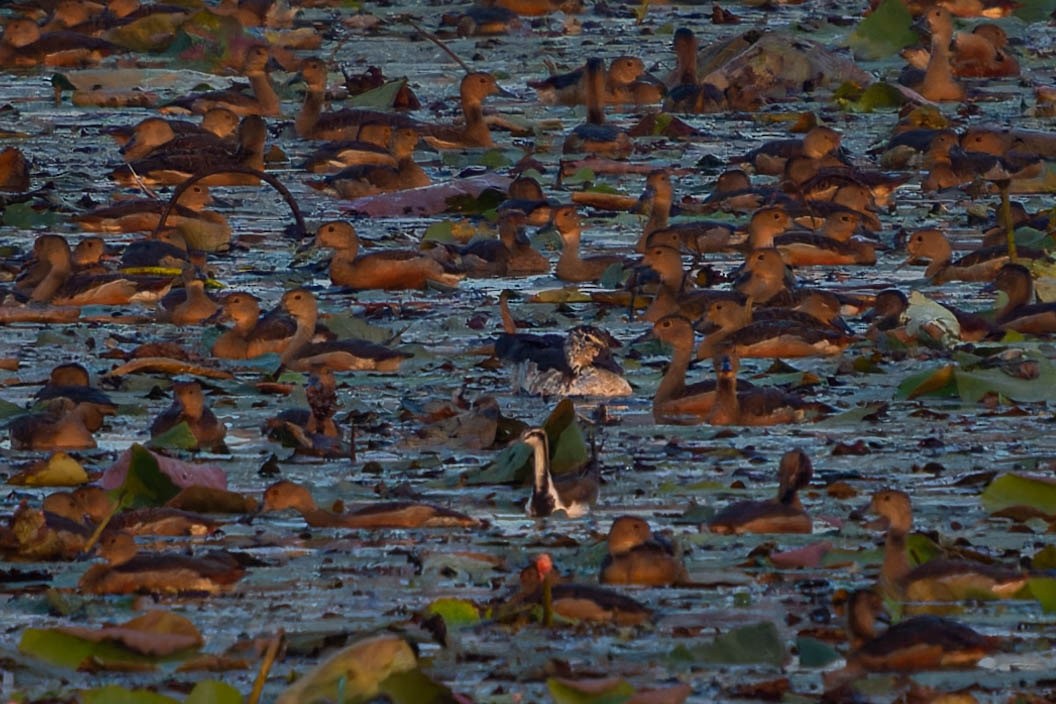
<point>57,275</point>
<point>569,248</point>
<point>301,337</point>
<point>686,63</point>
<point>310,111</point>
<point>896,564</point>
<point>476,129</point>
<point>727,408</point>
<point>673,383</point>
<point>1020,293</point>
<point>264,92</point>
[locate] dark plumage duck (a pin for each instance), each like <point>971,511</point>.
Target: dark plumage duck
<point>369,179</point>
<point>1021,312</point>
<point>71,381</point>
<point>579,363</point>
<point>595,136</point>
<point>783,514</point>
<point>636,556</point>
<point>264,101</point>
<point>188,406</point>
<point>755,406</point>
<point>571,266</point>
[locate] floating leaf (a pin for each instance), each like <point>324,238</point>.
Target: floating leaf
<point>878,96</point>
<point>414,687</point>
<point>144,483</point>
<point>885,31</point>
<point>457,613</point>
<point>356,672</point>
<point>58,470</point>
<point>115,694</point>
<point>815,653</point>
<point>1044,590</point>
<point>757,643</point>
<point>178,437</point>
<point>613,690</point>
<point>932,383</point>
<point>561,295</point>
<point>1034,10</point>
<point>1017,490</point>
<point>213,692</point>
<point>383,97</point>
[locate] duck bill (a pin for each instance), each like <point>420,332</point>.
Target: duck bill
<point>499,90</point>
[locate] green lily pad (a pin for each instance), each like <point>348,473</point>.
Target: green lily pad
<point>116,694</point>
<point>815,653</point>
<point>1044,590</point>
<point>178,437</point>
<point>885,31</point>
<point>759,643</point>
<point>457,613</point>
<point>145,484</point>
<point>213,692</point>
<point>615,692</point>
<point>1011,490</point>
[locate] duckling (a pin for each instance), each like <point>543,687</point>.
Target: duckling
<point>913,644</point>
<point>60,426</point>
<point>939,579</point>
<point>299,353</point>
<point>980,265</point>
<point>572,493</point>
<point>577,364</point>
<point>474,130</point>
<point>128,571</point>
<point>783,514</point>
<point>1021,313</point>
<point>756,406</point>
<point>173,168</point>
<point>571,266</point>
<point>188,406</point>
<point>636,556</point>
<point>369,179</point>
<point>263,102</point>
<point>594,136</point>
<point>243,310</point>
<point>71,381</point>
<point>285,495</point>
<point>577,602</point>
<point>388,269</point>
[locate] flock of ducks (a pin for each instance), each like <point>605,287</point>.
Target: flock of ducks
<point>791,205</point>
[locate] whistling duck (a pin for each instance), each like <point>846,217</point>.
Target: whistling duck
<point>980,265</point>
<point>264,101</point>
<point>23,45</point>
<point>188,406</point>
<point>766,277</point>
<point>939,579</point>
<point>521,258</point>
<point>571,266</point>
<point>243,310</point>
<point>636,556</point>
<point>1021,313</point>
<point>696,237</point>
<point>889,312</point>
<point>571,88</point>
<point>313,430</point>
<point>347,124</point>
<point>755,406</point>
<point>71,381</point>
<point>820,145</point>
<point>525,194</point>
<point>475,87</point>
<point>143,214</point>
<point>775,335</point>
<point>576,602</point>
<point>190,305</point>
<point>59,426</point>
<point>938,82</point>
<point>369,179</point>
<point>594,136</point>
<point>285,495</point>
<point>783,514</point>
<point>572,493</point>
<point>579,363</point>
<point>219,126</point>
<point>385,269</point>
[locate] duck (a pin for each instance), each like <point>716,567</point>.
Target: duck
<point>982,264</point>
<point>676,293</point>
<point>143,214</point>
<point>773,335</point>
<point>575,602</point>
<point>911,645</point>
<point>1020,312</point>
<point>526,195</point>
<point>758,406</point>
<point>938,83</point>
<point>219,125</point>
<point>595,136</point>
<point>190,305</point>
<point>810,248</point>
<point>129,571</point>
<point>243,309</point>
<point>734,192</point>
<point>522,259</point>
<point>188,406</point>
<point>24,45</point>
<point>766,278</point>
<point>888,317</point>
<point>980,53</point>
<point>572,267</point>
<point>370,179</point>
<point>511,254</point>
<point>335,156</point>
<point>347,124</point>
<point>173,168</point>
<point>473,133</point>
<point>284,495</point>
<point>695,236</point>
<point>56,283</point>
<point>938,579</point>
<point>312,431</point>
<point>571,88</point>
<point>574,494</point>
<point>299,353</point>
<point>783,514</point>
<point>685,93</point>
<point>59,425</point>
<point>391,270</point>
<point>637,556</point>
<point>820,146</point>
<point>71,381</point>
<point>264,102</point>
<point>579,363</point>
<point>166,250</point>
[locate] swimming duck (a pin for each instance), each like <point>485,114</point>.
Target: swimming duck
<point>23,45</point>
<point>783,514</point>
<point>59,426</point>
<point>766,277</point>
<point>636,556</point>
<point>572,493</point>
<point>939,579</point>
<point>760,405</point>
<point>526,195</point>
<point>142,214</point>
<point>285,495</point>
<point>156,133</point>
<point>576,602</point>
<point>347,124</point>
<point>386,269</point>
<point>982,264</point>
<point>577,364</point>
<point>190,305</point>
<point>594,136</point>
<point>243,310</point>
<point>299,353</point>
<point>820,146</point>
<point>571,266</point>
<point>685,93</point>
<point>696,237</point>
<point>980,53</point>
<point>263,102</point>
<point>889,313</point>
<point>621,85</point>
<point>312,431</point>
<point>173,168</point>
<point>522,259</point>
<point>773,335</point>
<point>911,645</point>
<point>71,381</point>
<point>166,250</point>
<point>675,293</point>
<point>369,179</point>
<point>128,571</point>
<point>1021,312</point>
<point>188,406</point>
<point>938,82</point>
<point>474,88</point>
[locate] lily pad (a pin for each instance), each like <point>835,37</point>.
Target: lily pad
<point>1011,490</point>
<point>758,643</point>
<point>885,31</point>
<point>355,672</point>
